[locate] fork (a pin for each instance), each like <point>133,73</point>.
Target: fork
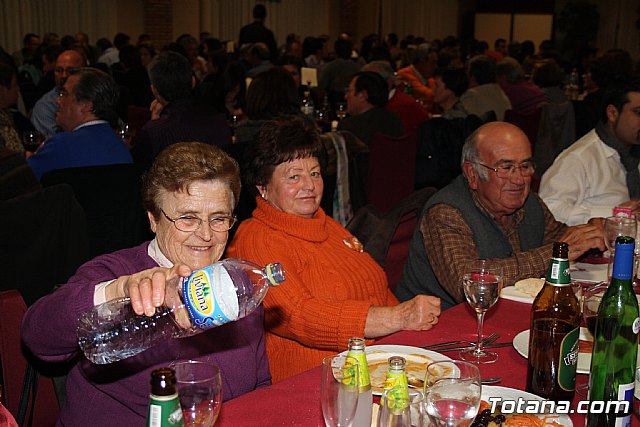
<point>491,338</point>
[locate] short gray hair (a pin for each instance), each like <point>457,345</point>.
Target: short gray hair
<point>422,52</point>
<point>471,154</point>
<point>511,69</point>
<point>383,68</point>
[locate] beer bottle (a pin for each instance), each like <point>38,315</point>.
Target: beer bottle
<point>554,333</point>
<point>164,406</point>
<point>365,398</point>
<point>615,346</point>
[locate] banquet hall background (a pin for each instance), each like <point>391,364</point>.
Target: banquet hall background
<point>165,20</point>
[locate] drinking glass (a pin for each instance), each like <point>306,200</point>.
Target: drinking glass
<point>341,110</point>
<point>482,284</point>
<point>31,140</point>
<point>413,416</point>
<point>452,393</point>
<point>615,226</point>
<point>125,133</point>
<point>200,392</point>
<point>339,390</point>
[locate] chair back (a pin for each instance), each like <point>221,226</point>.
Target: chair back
<point>557,132</point>
<point>386,236</point>
<point>43,242</point>
<point>391,171</point>
<point>529,123</point>
<point>111,199</point>
<point>13,364</point>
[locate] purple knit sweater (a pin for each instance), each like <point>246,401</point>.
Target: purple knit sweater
<point>118,394</point>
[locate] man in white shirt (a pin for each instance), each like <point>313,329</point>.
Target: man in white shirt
<point>600,170</point>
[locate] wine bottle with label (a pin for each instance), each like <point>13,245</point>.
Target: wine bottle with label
<point>615,347</point>
<point>554,333</point>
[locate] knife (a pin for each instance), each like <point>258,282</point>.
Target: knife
<point>464,347</point>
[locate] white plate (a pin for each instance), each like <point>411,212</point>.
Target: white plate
<point>506,393</point>
<point>417,361</point>
<point>521,344</point>
<point>513,294</point>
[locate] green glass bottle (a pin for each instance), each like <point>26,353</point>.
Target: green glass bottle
<point>365,399</point>
<point>164,406</point>
<point>396,412</point>
<point>554,333</point>
<point>615,346</point>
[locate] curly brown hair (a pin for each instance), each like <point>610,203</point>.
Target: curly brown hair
<point>181,164</point>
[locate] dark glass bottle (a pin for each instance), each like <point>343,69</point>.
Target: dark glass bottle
<point>164,406</point>
<point>554,333</point>
<point>615,347</point>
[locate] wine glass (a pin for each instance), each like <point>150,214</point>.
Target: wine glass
<point>200,392</point>
<point>125,133</point>
<point>452,393</point>
<point>482,283</point>
<point>591,299</point>
<point>31,140</point>
<point>615,226</point>
<point>341,110</point>
<point>339,390</point>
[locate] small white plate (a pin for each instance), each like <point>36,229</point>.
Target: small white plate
<point>513,294</point>
<point>521,344</point>
<point>506,393</point>
<point>417,360</point>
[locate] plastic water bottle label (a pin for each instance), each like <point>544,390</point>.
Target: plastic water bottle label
<point>210,298</point>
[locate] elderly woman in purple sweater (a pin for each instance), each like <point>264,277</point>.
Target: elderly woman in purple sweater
<point>189,193</point>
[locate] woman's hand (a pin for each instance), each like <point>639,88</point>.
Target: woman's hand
<point>418,314</point>
<point>148,289</point>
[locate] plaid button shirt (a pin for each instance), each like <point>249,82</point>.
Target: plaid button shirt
<point>450,246</point>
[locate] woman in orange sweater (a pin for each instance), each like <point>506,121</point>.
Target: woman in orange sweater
<point>333,290</point>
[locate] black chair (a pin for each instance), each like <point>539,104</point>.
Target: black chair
<point>110,197</point>
<point>386,236</point>
<point>43,240</point>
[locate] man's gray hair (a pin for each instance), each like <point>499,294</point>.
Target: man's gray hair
<point>511,69</point>
<point>100,89</point>
<point>383,68</point>
<point>471,154</point>
<point>422,52</point>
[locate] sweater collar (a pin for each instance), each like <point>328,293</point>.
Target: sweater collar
<point>310,229</point>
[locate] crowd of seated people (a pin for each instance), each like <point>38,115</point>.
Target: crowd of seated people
<point>196,91</point>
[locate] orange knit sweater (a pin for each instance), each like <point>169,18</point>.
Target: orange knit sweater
<point>328,289</point>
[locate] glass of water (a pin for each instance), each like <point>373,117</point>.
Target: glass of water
<point>200,392</point>
<point>452,393</point>
<point>482,282</point>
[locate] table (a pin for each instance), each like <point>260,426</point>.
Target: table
<point>296,400</point>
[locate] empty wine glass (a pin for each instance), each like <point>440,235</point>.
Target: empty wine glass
<point>341,110</point>
<point>615,226</point>
<point>452,393</point>
<point>31,140</point>
<point>412,415</point>
<point>200,392</point>
<point>482,283</point>
<point>339,390</point>
<point>125,133</point>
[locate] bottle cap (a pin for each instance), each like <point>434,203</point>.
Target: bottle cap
<point>356,343</point>
<point>623,261</point>
<point>275,273</point>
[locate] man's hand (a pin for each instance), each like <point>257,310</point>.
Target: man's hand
<point>581,238</point>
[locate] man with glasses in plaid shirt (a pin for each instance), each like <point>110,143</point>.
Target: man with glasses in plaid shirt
<point>488,212</point>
